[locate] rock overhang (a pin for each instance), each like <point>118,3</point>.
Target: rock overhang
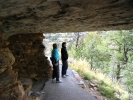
<point>46,16</point>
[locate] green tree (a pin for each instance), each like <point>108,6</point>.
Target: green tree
<point>121,44</point>
<point>90,47</point>
<point>129,80</point>
<point>93,49</point>
<point>111,51</point>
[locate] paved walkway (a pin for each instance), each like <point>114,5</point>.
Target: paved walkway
<point>69,89</point>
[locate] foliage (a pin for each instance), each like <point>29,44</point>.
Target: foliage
<point>129,80</point>
<point>107,91</point>
<point>110,52</point>
<point>106,87</point>
<point>123,41</point>
<point>87,76</point>
<point>91,49</point>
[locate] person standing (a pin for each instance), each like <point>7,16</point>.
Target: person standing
<point>64,58</point>
<point>56,57</point>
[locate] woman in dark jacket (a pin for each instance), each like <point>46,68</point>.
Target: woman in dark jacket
<point>64,58</point>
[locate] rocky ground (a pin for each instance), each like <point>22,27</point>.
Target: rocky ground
<point>92,88</point>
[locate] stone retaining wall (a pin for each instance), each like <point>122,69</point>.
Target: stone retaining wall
<point>30,60</point>
<point>21,60</point>
<point>10,87</point>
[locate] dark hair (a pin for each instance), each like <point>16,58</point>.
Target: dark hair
<point>63,44</point>
<point>54,46</point>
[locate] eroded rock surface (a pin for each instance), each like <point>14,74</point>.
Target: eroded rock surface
<point>22,62</point>
<point>44,16</point>
<point>29,54</point>
<point>10,87</point>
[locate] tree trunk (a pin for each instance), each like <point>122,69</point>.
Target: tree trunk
<point>77,39</point>
<point>118,72</point>
<point>91,63</point>
<point>125,59</point>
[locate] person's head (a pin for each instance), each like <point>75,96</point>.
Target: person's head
<point>64,44</point>
<point>54,46</point>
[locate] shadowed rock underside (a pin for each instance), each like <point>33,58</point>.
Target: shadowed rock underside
<point>46,16</point>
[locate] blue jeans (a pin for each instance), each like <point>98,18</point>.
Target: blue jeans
<point>64,67</point>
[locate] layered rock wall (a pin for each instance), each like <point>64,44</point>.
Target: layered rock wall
<point>29,54</point>
<point>22,60</point>
<point>10,87</point>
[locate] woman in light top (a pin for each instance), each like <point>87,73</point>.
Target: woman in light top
<point>56,56</point>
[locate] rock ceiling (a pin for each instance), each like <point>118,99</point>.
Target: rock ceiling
<point>44,16</point>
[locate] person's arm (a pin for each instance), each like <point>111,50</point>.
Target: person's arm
<point>64,54</point>
<point>56,55</point>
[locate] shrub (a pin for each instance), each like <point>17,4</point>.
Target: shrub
<point>106,87</point>
<point>107,91</point>
<point>87,76</point>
